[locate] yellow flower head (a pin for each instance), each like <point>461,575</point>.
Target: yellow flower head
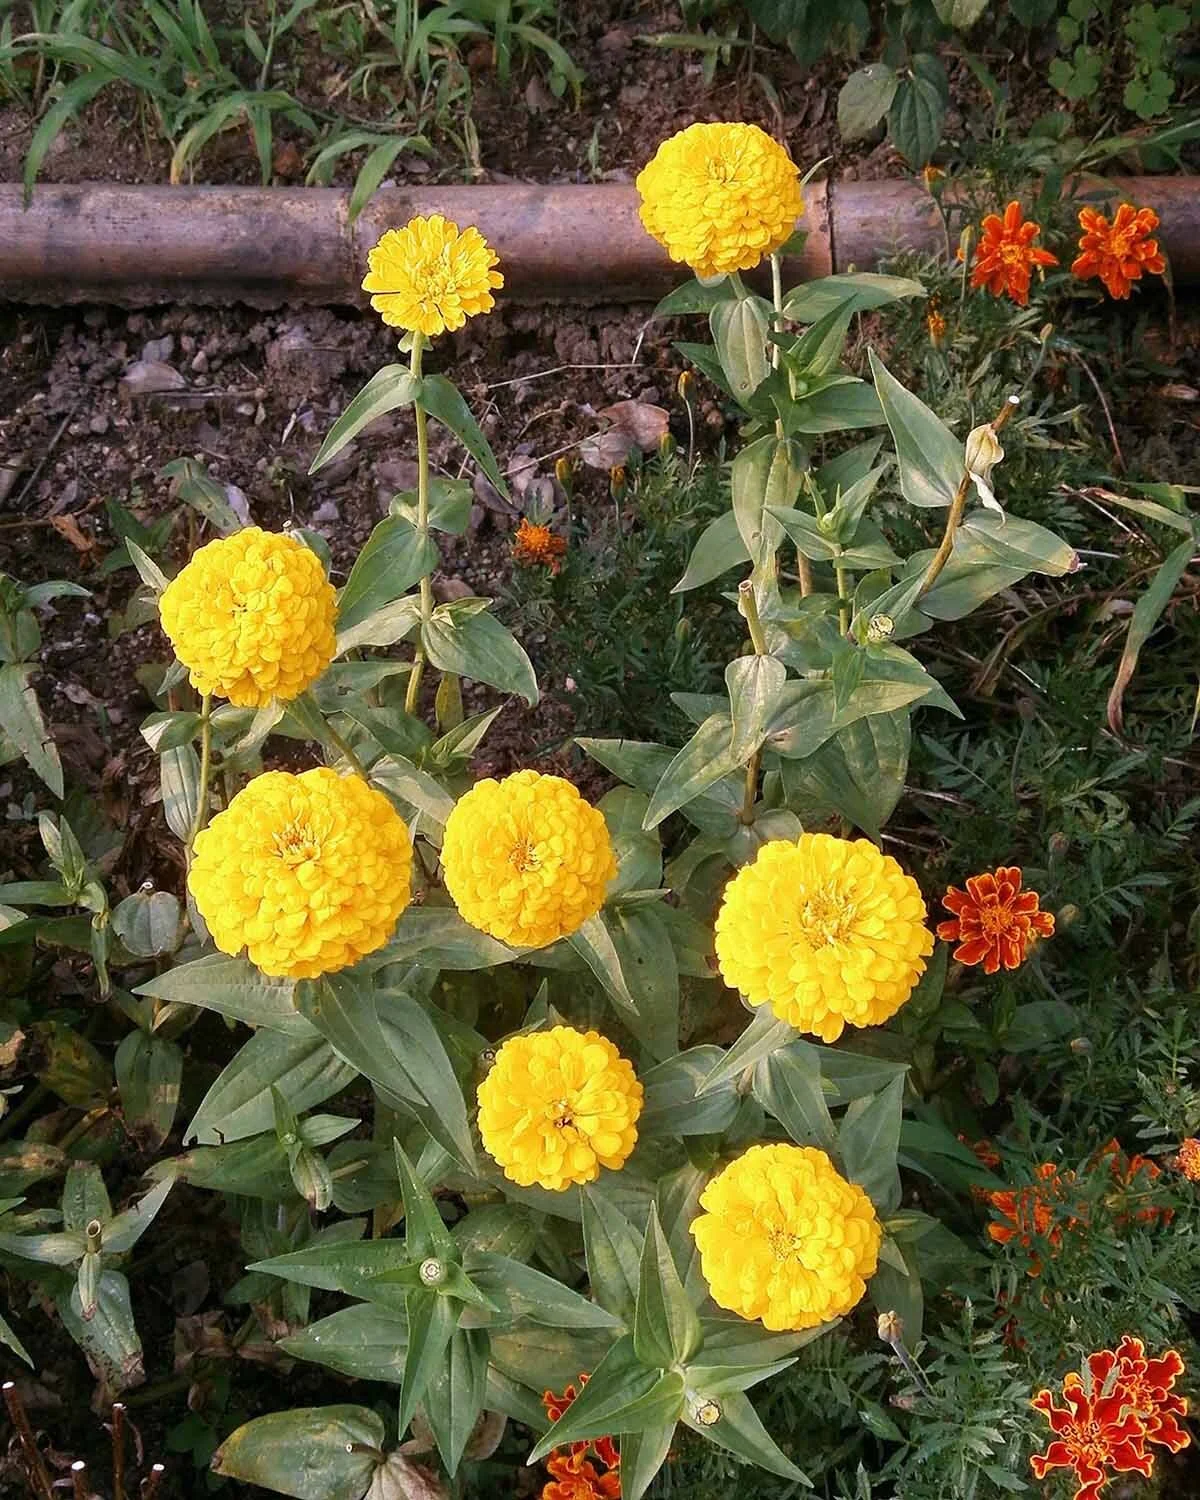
<point>526,859</point>
<point>557,1106</point>
<point>720,197</point>
<point>785,1238</point>
<point>430,276</point>
<point>307,873</point>
<point>827,931</point>
<point>251,618</point>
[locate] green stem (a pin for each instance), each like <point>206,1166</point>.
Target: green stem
<point>418,668</point>
<point>345,749</point>
<point>205,771</point>
<point>748,609</point>
<point>777,299</point>
<point>843,596</point>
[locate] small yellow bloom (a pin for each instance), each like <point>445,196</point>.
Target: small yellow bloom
<point>828,931</point>
<point>720,197</point>
<point>431,276</point>
<point>557,1106</point>
<point>526,859</point>
<point>308,873</point>
<point>251,618</point>
<point>785,1238</point>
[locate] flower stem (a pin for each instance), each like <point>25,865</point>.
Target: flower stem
<point>418,667</point>
<point>205,771</point>
<point>843,597</point>
<point>345,749</point>
<point>748,609</point>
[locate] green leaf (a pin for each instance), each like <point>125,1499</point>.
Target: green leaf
<point>714,811</point>
<point>622,1396</point>
<point>666,1328</point>
<point>147,923</point>
<point>305,1070</point>
<point>192,483</point>
<point>474,644</point>
<point>109,1337</point>
<point>765,1034</point>
<point>740,1431</point>
<point>369,1269</point>
<point>836,407</point>
<point>456,1394</point>
<point>788,1085</point>
<point>678,1200</point>
<point>1145,616</point>
<point>638,853</point>
<point>167,731</point>
<point>179,776</point>
<point>425,1231</point>
<point>450,502</point>
<point>436,937</point>
<point>857,774</point>
<point>611,1246</point>
<point>396,555</point>
<point>916,119</point>
<point>364,1340</point>
<point>256,1168</point>
<point>642,1455</point>
<point>72,101</point>
<point>1013,542</point>
<point>739,330</point>
<point>84,1197</point>
<point>869,1140</point>
<point>389,388</point>
<point>718,548</point>
<point>865,98</point>
<point>861,290</point>
<point>148,1071</point>
<point>526,1293</point>
<point>232,987</point>
<point>21,720</point>
<point>705,758</point>
<point>754,684</point>
<point>650,975</point>
<point>59,1249</point>
<point>443,401</point>
<point>695,297</point>
<point>125,1229</point>
<point>432,1320</point>
<point>894,1290</point>
<point>960,13</point>
<point>766,475</point>
<point>930,456</point>
<point>313,1452</point>
<point>392,623</point>
<point>674,1105</point>
<point>10,1339</point>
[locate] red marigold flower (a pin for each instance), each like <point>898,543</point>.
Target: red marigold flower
<point>1032,1212</point>
<point>1006,255</point>
<point>1095,1435</point>
<point>573,1458</point>
<point>570,1481</point>
<point>1119,253</point>
<point>1188,1159</point>
<point>1136,1173</point>
<point>537,546</point>
<point>1146,1385</point>
<point>994,920</point>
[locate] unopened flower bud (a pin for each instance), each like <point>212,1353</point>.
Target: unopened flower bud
<point>686,387</point>
<point>432,1271</point>
<point>880,628</point>
<point>891,1328</point>
<point>312,1180</point>
<point>707,1413</point>
<point>827,524</point>
<point>1059,844</point>
<point>1081,1046</point>
<point>666,445</point>
<point>1067,915</point>
<point>617,485</point>
<point>564,472</point>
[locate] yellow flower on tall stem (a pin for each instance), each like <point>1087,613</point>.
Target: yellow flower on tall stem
<point>432,276</point>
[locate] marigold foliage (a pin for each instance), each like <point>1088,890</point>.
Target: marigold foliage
<point>431,276</point>
<point>785,1238</point>
<point>995,921</point>
<point>720,197</point>
<point>557,1106</point>
<point>829,932</point>
<point>307,873</point>
<point>1006,255</point>
<point>526,859</point>
<point>251,618</point>
<point>1119,253</point>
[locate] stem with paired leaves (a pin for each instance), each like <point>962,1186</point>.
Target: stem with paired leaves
<point>748,609</point>
<point>942,556</point>
<point>199,819</point>
<point>418,667</point>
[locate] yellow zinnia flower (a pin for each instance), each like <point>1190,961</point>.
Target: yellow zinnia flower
<point>526,859</point>
<point>251,618</point>
<point>430,276</point>
<point>827,931</point>
<point>720,197</point>
<point>785,1238</point>
<point>307,873</point>
<point>557,1106</point>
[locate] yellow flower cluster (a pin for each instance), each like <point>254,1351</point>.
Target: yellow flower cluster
<point>720,197</point>
<point>307,873</point>
<point>557,1106</point>
<point>431,276</point>
<point>785,1238</point>
<point>829,932</point>
<point>526,859</point>
<point>251,618</point>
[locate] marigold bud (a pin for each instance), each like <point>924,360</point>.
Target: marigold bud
<point>686,387</point>
<point>891,1328</point>
<point>617,484</point>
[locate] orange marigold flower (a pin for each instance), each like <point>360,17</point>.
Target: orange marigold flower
<point>1146,1385</point>
<point>1094,1434</point>
<point>1136,1173</point>
<point>1006,255</point>
<point>936,325</point>
<point>995,921</point>
<point>537,546</point>
<point>985,1153</point>
<point>603,1448</point>
<point>1119,253</point>
<point>1033,1212</point>
<point>1188,1160</point>
<point>579,1482</point>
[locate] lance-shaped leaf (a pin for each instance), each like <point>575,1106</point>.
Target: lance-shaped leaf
<point>765,477</point>
<point>232,987</point>
<point>622,1396</point>
<point>739,330</point>
<point>436,937</point>
<point>642,1455</point>
<point>58,1249</point>
<point>443,401</point>
<point>395,556</point>
<point>311,1452</point>
<point>678,1206</point>
<point>673,1104</point>
<point>754,684</point>
<point>389,388</point>
<point>456,1394</point>
<point>931,458</point>
<point>1145,616</point>
<point>706,757</point>
<point>425,1232</point>
<point>109,1337</point>
<point>84,1197</point>
<point>148,1071</point>
<point>256,1168</point>
<point>666,1327</point>
<point>432,1320</point>
<point>646,956</point>
<point>364,1340</point>
<point>123,1231</point>
<point>718,548</point>
<point>306,1070</point>
<point>788,1085</point>
<point>762,1036</point>
<point>857,774</point>
<point>9,1338</point>
<point>739,1430</point>
<point>522,1292</point>
<point>473,643</point>
<point>21,720</point>
<point>358,1268</point>
<point>869,1140</point>
<point>610,1244</point>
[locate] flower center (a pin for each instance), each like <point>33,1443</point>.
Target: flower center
<point>825,917</point>
<point>784,1245</point>
<point>560,1113</point>
<point>1013,253</point>
<point>296,843</point>
<point>995,920</point>
<point>524,856</point>
<point>434,278</point>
